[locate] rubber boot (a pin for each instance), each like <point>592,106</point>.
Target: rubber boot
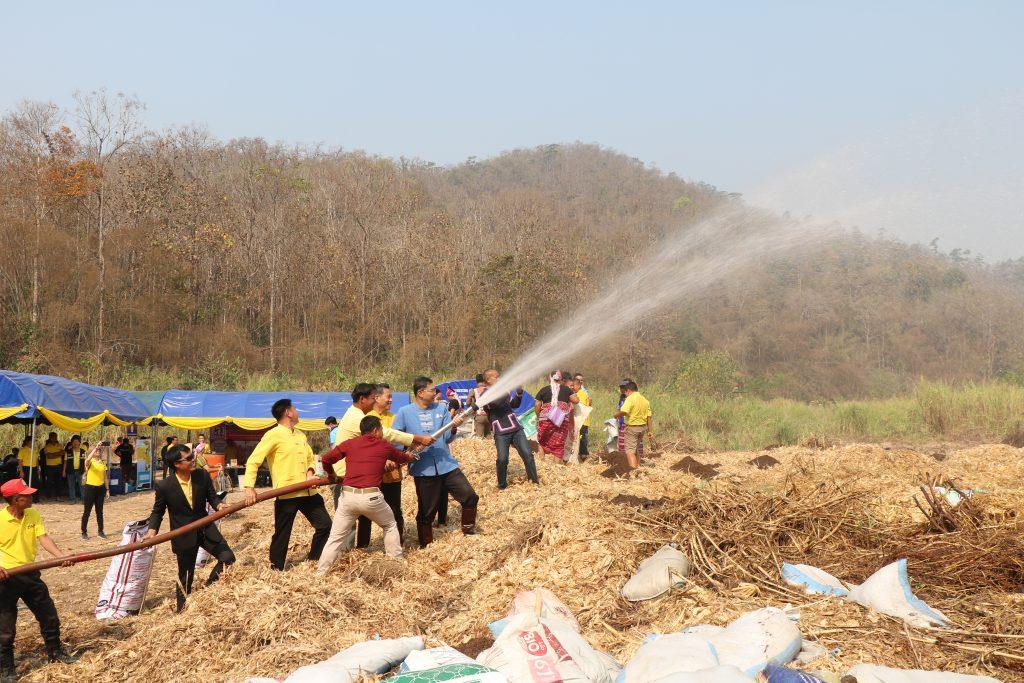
<point>469,520</point>
<point>7,674</point>
<point>425,533</point>
<point>57,653</point>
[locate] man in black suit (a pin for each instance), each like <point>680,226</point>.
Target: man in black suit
<point>185,496</point>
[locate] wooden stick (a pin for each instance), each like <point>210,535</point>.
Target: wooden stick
<point>224,511</point>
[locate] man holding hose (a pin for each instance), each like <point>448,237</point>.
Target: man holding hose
<point>435,472</point>
<point>364,402</point>
<point>369,456</point>
<point>21,534</point>
<point>185,496</point>
<point>290,458</point>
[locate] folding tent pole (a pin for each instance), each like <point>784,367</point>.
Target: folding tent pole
<point>33,451</point>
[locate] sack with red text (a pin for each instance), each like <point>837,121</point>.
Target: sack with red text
<point>542,650</point>
<point>124,587</point>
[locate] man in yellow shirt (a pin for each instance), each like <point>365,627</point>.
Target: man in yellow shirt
<point>29,461</point>
<point>636,411</point>
<point>53,463</point>
<point>21,534</point>
<point>584,397</point>
<point>291,461</point>
<point>391,484</point>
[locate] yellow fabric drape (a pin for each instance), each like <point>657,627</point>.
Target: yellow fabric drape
<point>250,423</point>
<point>14,410</point>
<point>74,424</point>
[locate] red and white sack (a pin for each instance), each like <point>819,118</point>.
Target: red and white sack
<point>543,650</point>
<point>124,587</point>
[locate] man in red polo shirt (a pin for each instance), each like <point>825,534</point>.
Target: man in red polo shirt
<point>366,457</point>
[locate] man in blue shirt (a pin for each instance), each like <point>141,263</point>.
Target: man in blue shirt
<point>435,472</point>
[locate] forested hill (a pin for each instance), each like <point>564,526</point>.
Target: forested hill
<point>173,249</point>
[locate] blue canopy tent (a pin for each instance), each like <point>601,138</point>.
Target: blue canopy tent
<point>64,403</point>
<point>251,409</point>
<point>73,406</point>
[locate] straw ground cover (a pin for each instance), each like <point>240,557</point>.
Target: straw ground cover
<point>847,509</point>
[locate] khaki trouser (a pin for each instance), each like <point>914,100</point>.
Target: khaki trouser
<point>634,437</point>
<point>352,504</point>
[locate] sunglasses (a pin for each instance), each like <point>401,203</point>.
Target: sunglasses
<point>188,458</point>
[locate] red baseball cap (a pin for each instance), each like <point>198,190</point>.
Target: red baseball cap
<point>16,487</point>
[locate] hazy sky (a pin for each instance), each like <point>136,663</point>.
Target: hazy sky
<point>738,94</point>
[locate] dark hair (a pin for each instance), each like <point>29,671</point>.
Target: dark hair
<point>280,405</point>
<point>331,420</point>
<point>362,390</point>
<point>420,383</point>
<point>170,440</point>
<point>631,385</point>
<point>479,377</point>
<point>52,434</point>
<point>368,424</point>
<point>76,436</point>
<point>566,375</point>
<point>578,375</point>
<point>381,386</point>
<point>176,453</point>
<point>27,441</point>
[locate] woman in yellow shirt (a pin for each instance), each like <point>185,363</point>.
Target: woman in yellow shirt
<point>95,488</point>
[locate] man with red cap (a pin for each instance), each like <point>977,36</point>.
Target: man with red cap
<point>21,534</point>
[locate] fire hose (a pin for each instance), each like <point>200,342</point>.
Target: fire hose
<point>224,511</point>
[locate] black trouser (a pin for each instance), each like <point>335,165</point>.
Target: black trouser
<point>55,481</point>
<point>392,492</point>
<point>442,510</point>
<point>93,496</point>
<point>517,439</point>
<point>313,509</point>
<point>187,565</point>
<point>584,448</point>
<point>430,491</point>
<point>31,589</point>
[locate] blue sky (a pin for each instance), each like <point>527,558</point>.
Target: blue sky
<point>732,93</point>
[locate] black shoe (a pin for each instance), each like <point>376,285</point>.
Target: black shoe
<point>102,535</point>
<point>469,520</point>
<point>57,653</point>
<point>7,672</point>
<point>85,537</point>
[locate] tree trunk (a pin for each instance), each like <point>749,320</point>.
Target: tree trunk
<point>273,302</point>
<point>35,251</point>
<point>103,281</point>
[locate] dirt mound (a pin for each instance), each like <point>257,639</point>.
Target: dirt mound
<point>763,462</point>
<point>617,466</point>
<point>638,501</point>
<point>1015,438</point>
<point>696,468</point>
